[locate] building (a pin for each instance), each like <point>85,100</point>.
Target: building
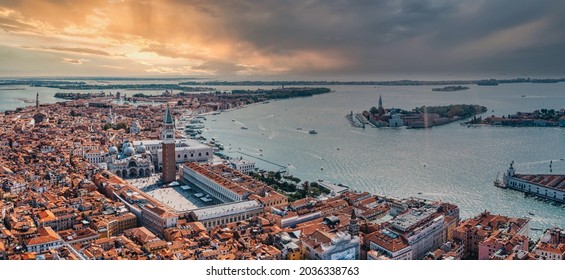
<point>186,150</point>
<point>323,245</point>
<point>227,213</point>
<point>289,245</point>
<point>168,148</point>
<point>395,120</point>
<point>62,219</point>
<point>131,162</point>
<point>83,236</point>
<point>550,186</point>
<point>381,110</point>
<point>424,229</point>
<point>114,225</point>
<point>141,235</point>
<point>94,156</point>
<point>45,239</point>
<point>386,244</point>
<point>501,243</point>
<point>471,232</point>
<point>551,245</point>
<point>135,127</point>
<point>156,219</point>
<point>353,228</point>
<point>228,185</point>
<point>550,251</point>
<point>243,166</point>
<point>221,188</point>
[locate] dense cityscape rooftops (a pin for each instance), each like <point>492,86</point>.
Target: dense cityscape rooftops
<point>59,203</point>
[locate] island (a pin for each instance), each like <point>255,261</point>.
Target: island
<point>538,118</point>
<point>78,95</point>
<point>420,117</point>
<point>450,88</point>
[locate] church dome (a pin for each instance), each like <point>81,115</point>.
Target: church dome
<point>113,150</point>
<point>141,149</point>
<point>129,151</point>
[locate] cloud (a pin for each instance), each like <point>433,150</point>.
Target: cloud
<point>112,66</point>
<point>314,38</point>
<point>78,50</point>
<point>72,60</point>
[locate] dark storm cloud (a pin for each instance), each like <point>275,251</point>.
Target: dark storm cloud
<point>381,36</point>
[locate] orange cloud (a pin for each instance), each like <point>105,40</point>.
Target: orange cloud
<point>163,36</point>
<point>73,60</point>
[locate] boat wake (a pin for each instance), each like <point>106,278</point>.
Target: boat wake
<point>315,156</point>
<point>273,134</point>
<point>362,133</point>
<point>266,117</point>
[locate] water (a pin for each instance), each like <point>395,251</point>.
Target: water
<point>452,163</point>
<point>9,95</point>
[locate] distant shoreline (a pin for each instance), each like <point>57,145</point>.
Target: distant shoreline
<point>377,83</point>
<point>64,83</point>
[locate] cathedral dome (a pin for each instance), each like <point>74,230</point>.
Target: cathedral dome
<point>113,150</point>
<point>141,149</point>
<point>129,151</point>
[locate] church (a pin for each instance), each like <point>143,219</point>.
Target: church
<point>145,157</point>
<point>131,162</point>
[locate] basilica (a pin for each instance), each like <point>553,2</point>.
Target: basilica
<point>131,162</point>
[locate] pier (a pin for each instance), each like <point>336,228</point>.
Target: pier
<point>358,120</point>
<point>267,161</point>
<point>337,189</point>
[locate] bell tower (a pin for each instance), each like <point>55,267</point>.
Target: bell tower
<point>168,147</point>
<point>353,228</point>
<point>381,110</point>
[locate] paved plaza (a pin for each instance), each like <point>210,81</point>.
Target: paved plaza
<point>174,197</point>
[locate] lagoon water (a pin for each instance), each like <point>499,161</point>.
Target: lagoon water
<point>452,163</point>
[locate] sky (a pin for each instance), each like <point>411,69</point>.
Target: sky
<point>308,39</point>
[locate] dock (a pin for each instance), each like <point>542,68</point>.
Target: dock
<point>261,159</point>
<point>336,189</point>
<point>358,120</point>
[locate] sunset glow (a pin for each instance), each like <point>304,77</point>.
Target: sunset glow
<point>247,38</point>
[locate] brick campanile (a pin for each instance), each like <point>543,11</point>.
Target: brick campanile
<point>168,148</point>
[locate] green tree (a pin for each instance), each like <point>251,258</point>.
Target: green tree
<point>373,110</point>
<point>120,125</point>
